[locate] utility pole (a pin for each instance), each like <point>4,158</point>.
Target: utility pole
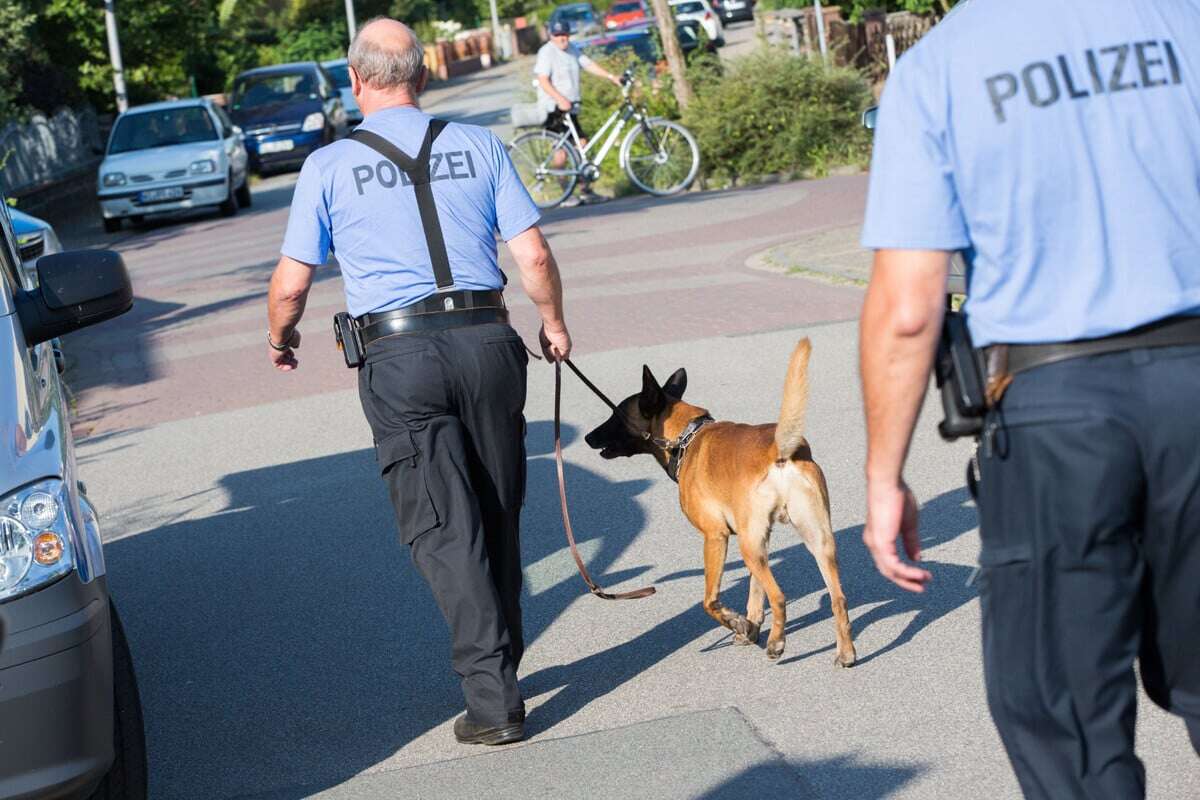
<point>351,25</point>
<point>675,62</point>
<point>114,52</point>
<point>496,31</point>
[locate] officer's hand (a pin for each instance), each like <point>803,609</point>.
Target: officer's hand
<point>891,514</point>
<point>556,344</point>
<point>564,105</point>
<point>285,360</point>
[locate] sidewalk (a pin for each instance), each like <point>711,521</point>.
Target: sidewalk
<point>832,255</point>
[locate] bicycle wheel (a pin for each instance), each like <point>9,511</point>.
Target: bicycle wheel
<point>534,154</point>
<point>660,157</point>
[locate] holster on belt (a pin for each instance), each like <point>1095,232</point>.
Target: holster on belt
<point>998,375</point>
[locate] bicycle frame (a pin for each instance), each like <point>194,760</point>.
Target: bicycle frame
<point>615,123</point>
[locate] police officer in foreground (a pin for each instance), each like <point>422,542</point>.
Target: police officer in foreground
<point>1058,144</point>
<point>410,205</point>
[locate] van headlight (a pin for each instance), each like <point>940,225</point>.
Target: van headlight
<point>114,179</point>
<point>35,541</point>
<point>203,166</point>
<point>313,122</point>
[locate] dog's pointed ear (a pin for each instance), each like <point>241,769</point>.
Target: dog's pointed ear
<point>651,400</point>
<point>676,384</point>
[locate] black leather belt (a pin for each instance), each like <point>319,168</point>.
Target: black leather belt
<point>393,323</point>
<point>439,303</point>
<point>1170,332</point>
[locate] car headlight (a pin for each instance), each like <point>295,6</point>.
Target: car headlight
<point>313,122</point>
<point>114,179</point>
<point>35,543</point>
<point>203,166</point>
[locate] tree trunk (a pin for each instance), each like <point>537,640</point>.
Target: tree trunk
<point>675,62</point>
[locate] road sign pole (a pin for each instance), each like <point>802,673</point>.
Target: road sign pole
<point>500,51</point>
<point>351,25</point>
<point>114,53</point>
<point>821,30</point>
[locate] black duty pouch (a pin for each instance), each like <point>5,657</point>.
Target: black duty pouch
<point>346,334</point>
<point>960,372</point>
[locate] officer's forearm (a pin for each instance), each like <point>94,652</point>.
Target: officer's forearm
<point>898,334</point>
<point>539,275</point>
<point>286,297</point>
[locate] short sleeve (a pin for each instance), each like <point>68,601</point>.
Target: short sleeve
<point>515,209</point>
<point>912,202</point>
<point>584,60</point>
<point>542,65</point>
<point>309,232</point>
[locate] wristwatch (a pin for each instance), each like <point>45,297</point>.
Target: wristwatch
<point>281,347</point>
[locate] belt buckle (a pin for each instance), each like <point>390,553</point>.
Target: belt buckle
<point>447,303</point>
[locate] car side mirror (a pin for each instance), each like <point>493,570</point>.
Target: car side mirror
<point>75,289</point>
<point>868,117</point>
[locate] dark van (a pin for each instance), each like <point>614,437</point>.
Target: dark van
<point>286,111</point>
<point>70,717</point>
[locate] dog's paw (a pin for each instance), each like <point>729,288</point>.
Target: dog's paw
<point>845,660</point>
<point>775,649</point>
<point>749,635</point>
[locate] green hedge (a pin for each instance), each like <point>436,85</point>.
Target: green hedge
<point>772,113</point>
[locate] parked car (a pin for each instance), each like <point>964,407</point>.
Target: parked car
<point>701,12</point>
<point>339,70</point>
<point>581,18</point>
<point>625,12</point>
<point>640,39</point>
<point>70,716</point>
<point>734,10</point>
<point>35,238</point>
<point>171,156</point>
<point>287,111</point>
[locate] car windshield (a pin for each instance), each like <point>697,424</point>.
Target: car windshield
<point>689,8</point>
<point>625,8</point>
<point>644,47</point>
<point>574,13</point>
<point>340,74</point>
<point>273,89</point>
<point>162,128</point>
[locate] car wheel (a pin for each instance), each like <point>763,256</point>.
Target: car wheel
<point>112,224</point>
<point>243,193</point>
<point>126,779</point>
<point>229,205</point>
<point>136,220</point>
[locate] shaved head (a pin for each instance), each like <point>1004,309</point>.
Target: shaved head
<point>387,55</point>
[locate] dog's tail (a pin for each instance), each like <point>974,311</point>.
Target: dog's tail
<point>789,433</point>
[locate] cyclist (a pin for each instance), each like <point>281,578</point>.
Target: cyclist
<point>557,73</point>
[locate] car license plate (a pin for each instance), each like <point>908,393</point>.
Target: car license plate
<point>160,195</point>
<point>278,146</point>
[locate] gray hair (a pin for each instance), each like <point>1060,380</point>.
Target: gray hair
<point>382,67</point>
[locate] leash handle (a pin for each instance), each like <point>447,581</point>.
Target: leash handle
<point>562,493</point>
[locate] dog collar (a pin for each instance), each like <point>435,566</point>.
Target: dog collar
<point>677,449</point>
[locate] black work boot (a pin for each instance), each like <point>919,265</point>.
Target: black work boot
<point>467,732</point>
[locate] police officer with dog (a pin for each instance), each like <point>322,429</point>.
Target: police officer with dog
<point>1058,145</point>
<point>410,205</point>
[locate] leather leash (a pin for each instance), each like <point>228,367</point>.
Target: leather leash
<point>562,486</point>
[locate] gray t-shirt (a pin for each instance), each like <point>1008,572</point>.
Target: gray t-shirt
<point>562,67</point>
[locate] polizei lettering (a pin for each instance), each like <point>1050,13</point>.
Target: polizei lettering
<point>455,165</point>
<point>1120,68</point>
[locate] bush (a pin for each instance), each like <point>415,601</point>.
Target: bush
<point>773,113</point>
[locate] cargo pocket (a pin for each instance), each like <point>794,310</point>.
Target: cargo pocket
<point>1011,625</point>
<point>405,471</point>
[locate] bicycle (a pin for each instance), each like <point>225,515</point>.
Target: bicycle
<point>660,156</point>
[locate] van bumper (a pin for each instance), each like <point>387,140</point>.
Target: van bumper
<point>56,696</point>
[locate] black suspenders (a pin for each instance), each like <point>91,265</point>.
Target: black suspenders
<point>417,170</point>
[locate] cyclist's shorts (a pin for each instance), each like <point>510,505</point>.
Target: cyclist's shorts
<point>555,123</point>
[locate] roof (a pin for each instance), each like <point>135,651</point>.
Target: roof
<point>294,66</point>
<point>165,104</point>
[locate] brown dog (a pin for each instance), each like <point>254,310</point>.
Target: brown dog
<point>737,479</point>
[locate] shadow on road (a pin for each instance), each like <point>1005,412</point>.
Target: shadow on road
<point>292,626</point>
<point>851,778</point>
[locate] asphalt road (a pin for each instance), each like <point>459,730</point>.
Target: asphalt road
<point>286,647</point>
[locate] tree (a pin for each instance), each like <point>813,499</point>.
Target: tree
<point>673,52</point>
<point>15,22</point>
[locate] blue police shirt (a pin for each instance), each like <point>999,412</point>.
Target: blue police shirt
<point>1059,145</point>
<point>352,201</point>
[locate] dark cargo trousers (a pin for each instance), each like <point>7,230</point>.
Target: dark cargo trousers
<point>446,409</point>
<point>1090,523</point>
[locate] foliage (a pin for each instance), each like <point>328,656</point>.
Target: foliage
<point>854,9</point>
<point>15,22</point>
<point>773,113</point>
